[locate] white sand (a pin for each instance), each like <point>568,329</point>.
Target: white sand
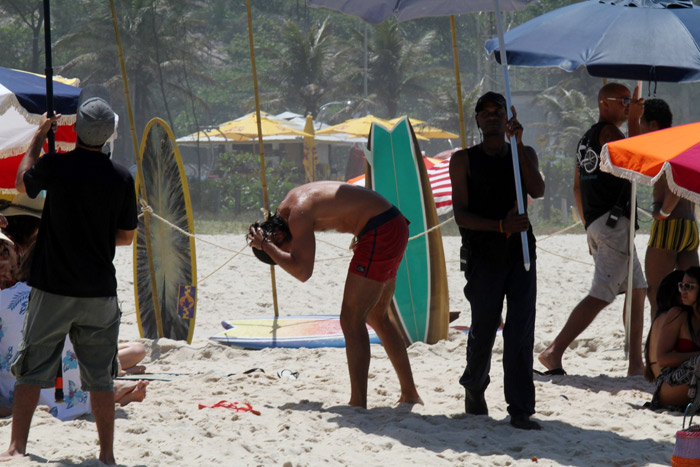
<point>593,416</point>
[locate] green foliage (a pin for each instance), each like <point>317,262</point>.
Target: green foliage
<point>238,187</point>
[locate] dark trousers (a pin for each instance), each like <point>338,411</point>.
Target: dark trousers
<point>486,288</point>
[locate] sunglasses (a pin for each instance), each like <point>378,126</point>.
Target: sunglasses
<point>625,100</point>
<point>686,286</point>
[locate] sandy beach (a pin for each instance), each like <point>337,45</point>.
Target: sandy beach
<point>592,416</point>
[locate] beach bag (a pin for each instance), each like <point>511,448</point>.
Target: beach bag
<point>687,449</point>
<point>686,452</point>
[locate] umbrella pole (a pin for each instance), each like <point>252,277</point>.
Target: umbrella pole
<point>630,265</point>
<point>513,145</point>
<point>458,81</point>
<point>48,71</point>
<point>263,178</point>
<point>141,182</point>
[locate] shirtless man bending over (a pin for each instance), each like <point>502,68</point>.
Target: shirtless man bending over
<point>287,239</point>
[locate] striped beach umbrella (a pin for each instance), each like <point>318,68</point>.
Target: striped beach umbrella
<point>674,152</point>
<point>22,102</point>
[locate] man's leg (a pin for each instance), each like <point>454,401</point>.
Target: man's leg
<point>102,403</point>
<point>636,362</point>
<point>519,339</point>
<point>580,318</point>
<point>359,297</point>
<point>658,262</point>
<point>25,400</point>
<point>393,343</point>
<point>485,292</point>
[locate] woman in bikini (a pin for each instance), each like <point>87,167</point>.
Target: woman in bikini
<point>668,298</point>
<point>677,348</point>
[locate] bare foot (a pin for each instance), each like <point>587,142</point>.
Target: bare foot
<point>137,394</point>
<point>635,370</point>
<point>549,360</point>
<point>107,460</point>
<point>11,454</point>
<point>122,387</point>
<point>411,400</point>
<point>135,370</point>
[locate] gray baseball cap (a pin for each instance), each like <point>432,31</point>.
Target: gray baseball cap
<point>94,122</point>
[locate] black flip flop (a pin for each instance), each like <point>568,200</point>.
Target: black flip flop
<point>554,372</point>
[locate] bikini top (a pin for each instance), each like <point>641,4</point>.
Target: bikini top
<point>685,345</point>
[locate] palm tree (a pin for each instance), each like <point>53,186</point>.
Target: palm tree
<point>394,70</point>
<point>568,117</point>
<point>445,110</point>
<point>305,67</point>
<point>28,15</point>
<point>160,45</point>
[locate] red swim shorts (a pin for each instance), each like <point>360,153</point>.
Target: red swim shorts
<point>380,246</point>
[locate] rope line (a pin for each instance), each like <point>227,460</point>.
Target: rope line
<point>431,229</point>
<point>145,208</point>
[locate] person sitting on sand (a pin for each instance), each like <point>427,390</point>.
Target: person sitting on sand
<point>19,224</point>
<point>667,298</point>
<point>677,349</point>
<point>13,303</point>
<point>381,231</point>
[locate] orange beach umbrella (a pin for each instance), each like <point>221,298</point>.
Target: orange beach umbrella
<point>673,151</point>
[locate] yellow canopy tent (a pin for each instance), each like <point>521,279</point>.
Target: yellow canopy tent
<point>423,129</point>
<point>355,126</point>
<point>247,127</point>
<point>359,127</point>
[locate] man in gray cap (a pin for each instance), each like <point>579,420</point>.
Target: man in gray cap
<point>90,208</point>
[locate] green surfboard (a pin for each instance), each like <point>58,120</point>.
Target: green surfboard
<point>396,171</point>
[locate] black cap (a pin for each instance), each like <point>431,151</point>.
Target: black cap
<point>491,96</point>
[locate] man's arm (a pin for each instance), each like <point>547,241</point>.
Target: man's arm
<point>124,237</point>
<point>34,150</point>
<point>459,167</point>
<point>663,209</point>
<point>299,260</point>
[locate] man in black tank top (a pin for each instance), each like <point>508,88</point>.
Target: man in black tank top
<point>484,203</point>
<point>603,202</point>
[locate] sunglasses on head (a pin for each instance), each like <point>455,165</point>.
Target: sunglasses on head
<point>625,100</point>
<point>686,286</point>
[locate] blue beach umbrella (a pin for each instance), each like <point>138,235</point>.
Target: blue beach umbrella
<point>378,11</point>
<point>643,40</point>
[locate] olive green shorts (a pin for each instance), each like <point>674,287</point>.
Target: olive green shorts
<point>93,326</point>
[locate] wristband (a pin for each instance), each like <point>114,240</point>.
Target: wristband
<point>664,214</point>
<point>500,225</point>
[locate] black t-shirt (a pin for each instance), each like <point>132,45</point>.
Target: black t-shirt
<point>88,197</point>
<point>600,191</point>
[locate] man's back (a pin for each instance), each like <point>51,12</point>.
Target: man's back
<point>88,199</point>
<point>332,206</point>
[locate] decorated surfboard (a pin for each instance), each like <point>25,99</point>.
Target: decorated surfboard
<point>309,331</point>
<point>165,270</point>
<point>396,170</point>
